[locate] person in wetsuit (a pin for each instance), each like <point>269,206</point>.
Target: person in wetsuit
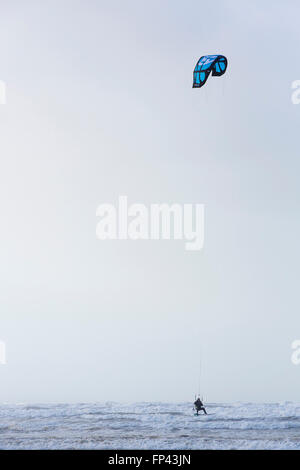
<point>199,406</point>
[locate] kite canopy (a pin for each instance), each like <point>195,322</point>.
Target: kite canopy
<point>216,64</point>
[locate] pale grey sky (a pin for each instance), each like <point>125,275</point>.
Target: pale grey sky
<point>100,104</point>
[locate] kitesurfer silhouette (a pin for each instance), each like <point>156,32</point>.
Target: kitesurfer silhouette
<point>199,406</point>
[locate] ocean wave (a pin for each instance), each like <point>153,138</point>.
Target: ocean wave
<point>144,425</point>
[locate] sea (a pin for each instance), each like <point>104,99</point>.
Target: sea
<point>113,425</point>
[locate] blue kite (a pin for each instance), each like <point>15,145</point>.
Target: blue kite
<point>216,64</point>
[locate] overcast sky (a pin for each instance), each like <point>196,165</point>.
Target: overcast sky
<point>100,104</point>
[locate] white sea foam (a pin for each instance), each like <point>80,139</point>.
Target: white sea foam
<point>149,426</point>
